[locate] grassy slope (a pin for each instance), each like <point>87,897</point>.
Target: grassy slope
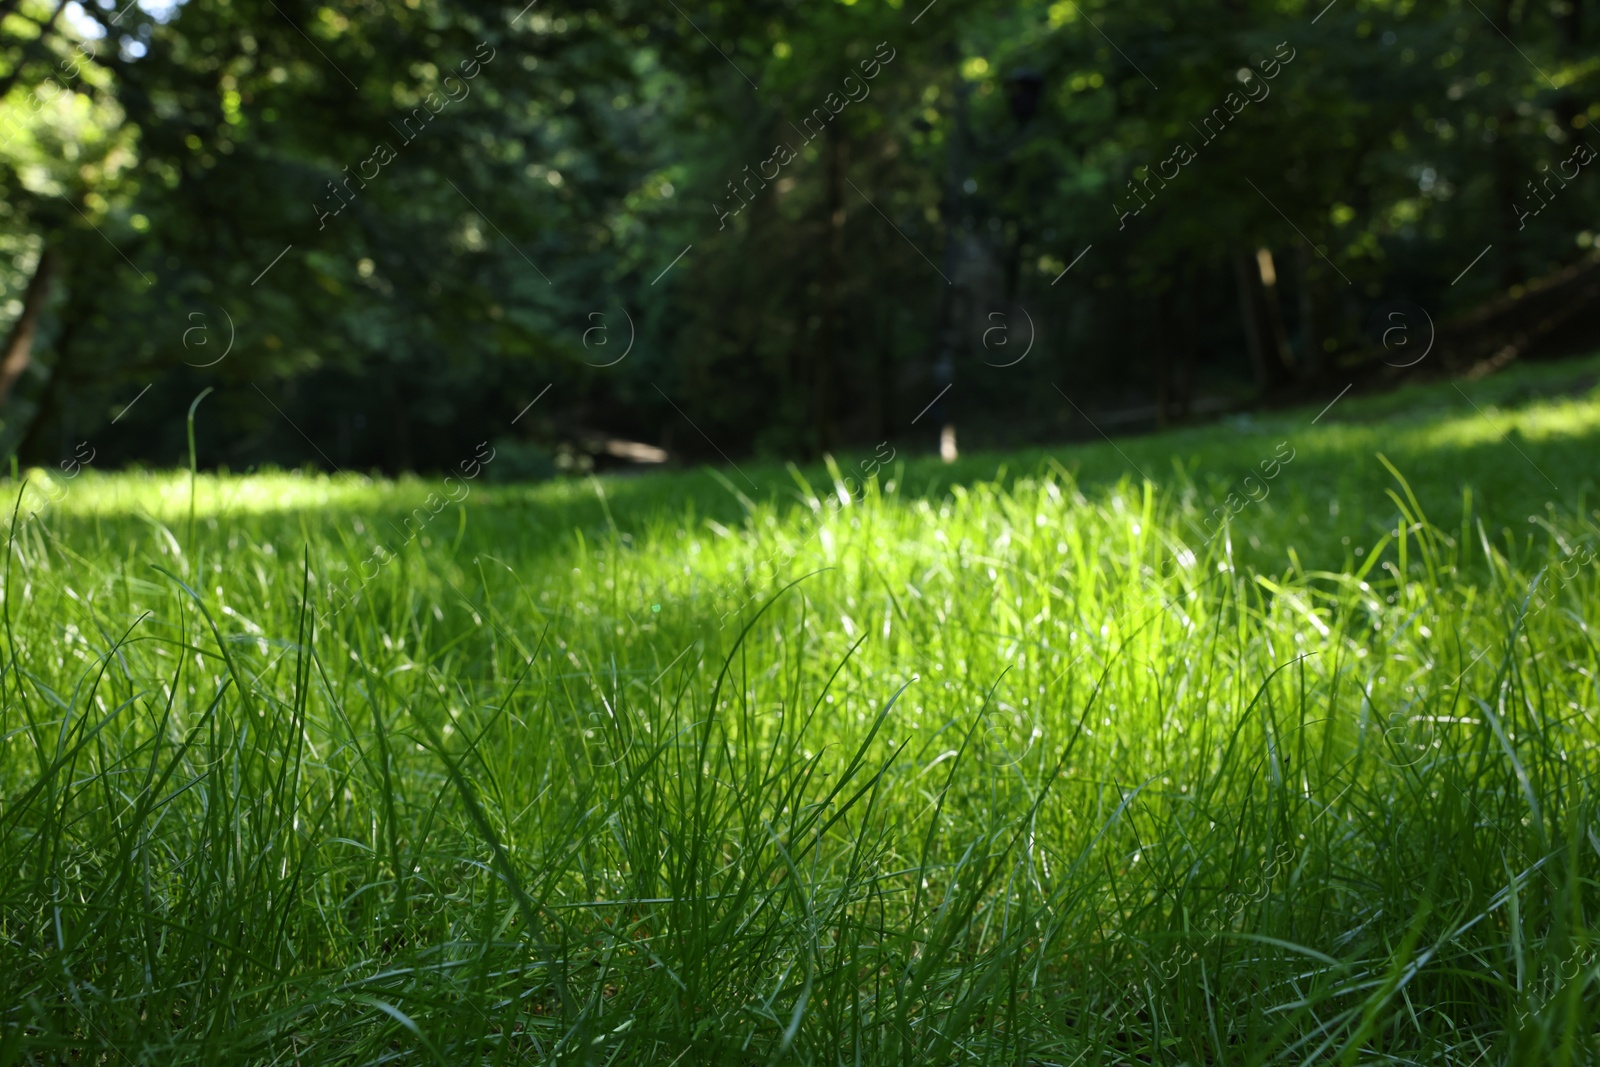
<point>1023,769</point>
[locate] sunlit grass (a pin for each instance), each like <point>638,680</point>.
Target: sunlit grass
<point>1000,763</point>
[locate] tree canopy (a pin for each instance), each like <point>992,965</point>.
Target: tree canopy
<point>382,230</point>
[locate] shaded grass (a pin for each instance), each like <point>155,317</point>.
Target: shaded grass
<point>977,765</point>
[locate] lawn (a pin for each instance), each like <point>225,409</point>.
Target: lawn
<point>1272,741</point>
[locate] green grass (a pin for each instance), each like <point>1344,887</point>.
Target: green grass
<point>1004,762</point>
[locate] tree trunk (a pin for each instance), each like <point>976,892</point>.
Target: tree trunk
<point>27,450</point>
<point>1276,334</point>
<point>18,352</point>
<point>833,266</point>
<point>1313,363</point>
<point>1189,344</point>
<point>1244,276</point>
<point>1506,170</point>
<point>73,315</point>
<point>1167,337</point>
<point>883,374</point>
<point>399,424</point>
<point>947,334</point>
<point>1571,104</point>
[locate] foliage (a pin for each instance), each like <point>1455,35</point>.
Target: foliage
<point>617,168</point>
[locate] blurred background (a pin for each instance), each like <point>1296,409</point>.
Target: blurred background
<point>688,230</point>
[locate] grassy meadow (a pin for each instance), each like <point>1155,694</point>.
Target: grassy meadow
<point>1031,759</point>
